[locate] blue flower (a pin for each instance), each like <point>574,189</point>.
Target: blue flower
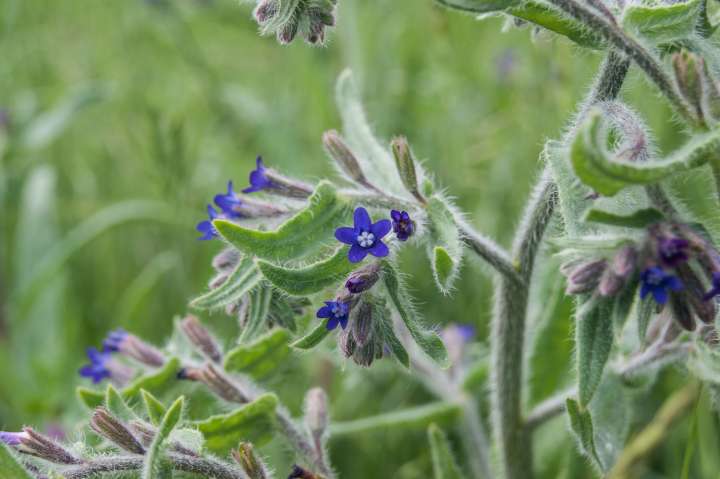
<point>364,237</point>
<point>258,179</point>
<point>673,251</point>
<point>656,281</point>
<point>12,438</point>
<point>229,202</point>
<point>206,227</point>
<point>113,343</point>
<point>97,370</point>
<point>402,225</point>
<point>336,313</point>
<point>715,290</point>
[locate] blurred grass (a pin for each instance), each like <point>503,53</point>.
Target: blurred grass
<point>164,101</point>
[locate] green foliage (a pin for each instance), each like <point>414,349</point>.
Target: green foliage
<point>241,281</point>
<point>383,323</point>
<point>253,422</point>
<point>115,403</point>
<point>153,467</point>
<point>312,338</point>
<point>301,235</point>
<point>446,255</point>
<point>260,357</point>
<point>10,467</point>
<point>257,313</point>
<point>636,219</point>
<point>153,407</point>
<point>405,419</point>
<point>663,23</point>
<point>444,464</point>
<point>581,425</point>
<point>594,340</point>
<point>550,19</point>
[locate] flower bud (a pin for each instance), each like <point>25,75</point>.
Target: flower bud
<point>300,473</point>
<point>109,427</point>
<point>201,338</point>
<point>689,70</point>
<point>35,444</point>
<point>405,164</point>
<point>134,347</point>
<point>221,385</point>
<point>316,412</point>
<point>624,262</point>
<point>681,312</point>
<point>705,310</point>
<point>365,355</point>
<point>363,279</point>
<point>245,456</point>
<point>585,277</point>
<point>346,342</point>
<point>226,260</point>
<point>266,11</point>
<point>361,326</point>
<point>345,159</point>
<point>218,280</point>
<point>287,33</point>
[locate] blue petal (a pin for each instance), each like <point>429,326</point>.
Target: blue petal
<point>324,312</point>
<point>673,282</point>
<point>644,290</point>
<point>331,324</point>
<point>345,235</point>
<point>379,249</point>
<point>660,295</point>
<point>395,215</point>
<point>361,219</point>
<point>381,228</point>
<point>357,253</point>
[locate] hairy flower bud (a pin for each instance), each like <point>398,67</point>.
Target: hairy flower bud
<point>337,149</point>
<point>218,280</point>
<point>288,31</point>
<point>109,427</point>
<point>705,310</point>
<point>681,312</point>
<point>316,412</point>
<point>134,347</point>
<point>585,276</point>
<point>346,342</point>
<point>624,262</point>
<point>221,385</point>
<point>266,10</point>
<point>300,473</point>
<point>689,71</point>
<point>362,325</point>
<point>248,460</point>
<point>226,260</point>
<point>363,279</point>
<point>405,164</point>
<point>38,445</point>
<point>201,338</point>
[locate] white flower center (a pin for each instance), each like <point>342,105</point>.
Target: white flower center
<point>366,239</point>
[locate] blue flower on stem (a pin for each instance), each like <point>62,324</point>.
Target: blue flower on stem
<point>673,251</point>
<point>12,438</point>
<point>113,343</point>
<point>364,237</point>
<point>258,179</point>
<point>336,313</point>
<point>402,225</point>
<point>206,227</point>
<point>657,281</point>
<point>715,290</point>
<point>229,202</point>
<point>97,370</point>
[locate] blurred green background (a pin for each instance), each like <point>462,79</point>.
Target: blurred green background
<point>121,119</point>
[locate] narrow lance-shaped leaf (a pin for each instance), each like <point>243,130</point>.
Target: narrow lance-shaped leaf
<point>154,408</point>
<point>312,338</point>
<point>115,403</point>
<point>663,22</point>
<point>253,422</point>
<point>402,419</point>
<point>10,466</point>
<point>309,279</point>
<point>446,255</point>
<point>258,312</point>
<point>385,327</point>
<point>428,341</point>
<point>243,279</point>
<point>582,427</point>
<point>260,357</point>
<point>153,467</point>
<point>637,219</point>
<point>444,464</point>
<point>303,234</point>
<point>594,338</point>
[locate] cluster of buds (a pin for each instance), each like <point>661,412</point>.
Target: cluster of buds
<point>673,265</point>
<point>363,341</point>
<point>287,19</point>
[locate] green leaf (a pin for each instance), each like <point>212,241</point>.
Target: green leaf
<point>645,310</point>
<point>594,339</point>
<point>309,279</point>
<point>115,403</point>
<point>661,22</point>
<point>313,338</point>
<point>402,419</point>
<point>153,467</point>
<point>596,168</point>
<point>306,232</point>
<point>572,195</point>
<point>428,341</point>
<point>384,325</point>
<point>447,254</point>
<point>556,22</point>
<point>257,314</point>
<point>582,426</point>
<point>154,408</point>
<point>283,311</point>
<point>243,279</point>
<point>91,398</point>
<point>261,357</point>
<point>253,422</point>
<point>622,307</point>
<point>10,466</point>
<point>479,6</point>
<point>444,464</point>
<point>637,219</point>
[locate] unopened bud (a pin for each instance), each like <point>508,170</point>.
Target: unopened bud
<point>35,444</point>
<point>316,412</point>
<point>585,277</point>
<point>405,164</point>
<point>245,456</point>
<point>346,342</point>
<point>345,159</point>
<point>287,33</point>
<point>266,10</point>
<point>134,347</point>
<point>694,291</point>
<point>361,326</point>
<point>689,70</point>
<point>226,260</point>
<point>201,338</point>
<point>218,280</point>
<point>364,356</point>
<point>681,312</point>
<point>300,473</point>
<point>363,279</point>
<point>625,261</point>
<point>221,385</point>
<point>109,427</point>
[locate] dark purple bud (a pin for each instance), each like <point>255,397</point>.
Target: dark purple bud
<point>624,262</point>
<point>363,279</point>
<point>585,276</point>
<point>705,310</point>
<point>201,339</point>
<point>362,323</point>
<point>682,313</point>
<point>222,385</point>
<point>300,473</point>
<point>109,427</point>
<point>346,343</point>
<point>226,260</point>
<point>403,226</point>
<point>673,251</point>
<point>142,352</point>
<point>288,31</point>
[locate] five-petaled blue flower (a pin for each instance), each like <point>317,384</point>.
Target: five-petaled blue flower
<point>97,370</point>
<point>715,290</point>
<point>114,341</point>
<point>229,202</point>
<point>206,227</point>
<point>258,179</point>
<point>336,313</point>
<point>657,281</point>
<point>673,251</point>
<point>365,237</point>
<point>402,225</point>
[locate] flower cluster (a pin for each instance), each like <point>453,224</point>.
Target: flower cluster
<point>308,18</point>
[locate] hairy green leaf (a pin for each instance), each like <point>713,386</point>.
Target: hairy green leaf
<point>243,279</point>
<point>402,419</point>
<point>154,467</point>
<point>154,408</point>
<point>550,19</point>
<point>306,232</point>
<point>447,254</point>
<point>309,279</point>
<point>582,426</point>
<point>261,357</point>
<point>384,325</point>
<point>663,22</point>
<point>312,338</point>
<point>115,403</point>
<point>428,341</point>
<point>253,422</point>
<point>478,6</point>
<point>594,338</point>
<point>10,466</point>
<point>637,219</point>
<point>258,312</point>
<point>444,464</point>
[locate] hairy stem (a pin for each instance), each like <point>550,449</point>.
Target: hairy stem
<point>488,250</point>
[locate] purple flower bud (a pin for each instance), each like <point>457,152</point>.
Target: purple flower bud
<point>248,460</point>
<point>364,237</point>
<point>201,338</point>
<point>266,10</point>
<point>363,279</point>
<point>206,227</point>
<point>12,438</point>
<point>131,346</point>
<point>109,427</point>
<point>38,445</point>
<point>402,225</point>
<point>345,159</point>
<point>673,251</point>
<point>266,179</point>
<point>585,277</point>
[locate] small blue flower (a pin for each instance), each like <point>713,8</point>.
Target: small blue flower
<point>258,179</point>
<point>364,237</point>
<point>229,202</point>
<point>97,370</point>
<point>114,342</point>
<point>715,290</point>
<point>12,438</point>
<point>402,225</point>
<point>656,281</point>
<point>673,251</point>
<point>206,227</point>
<point>336,313</point>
